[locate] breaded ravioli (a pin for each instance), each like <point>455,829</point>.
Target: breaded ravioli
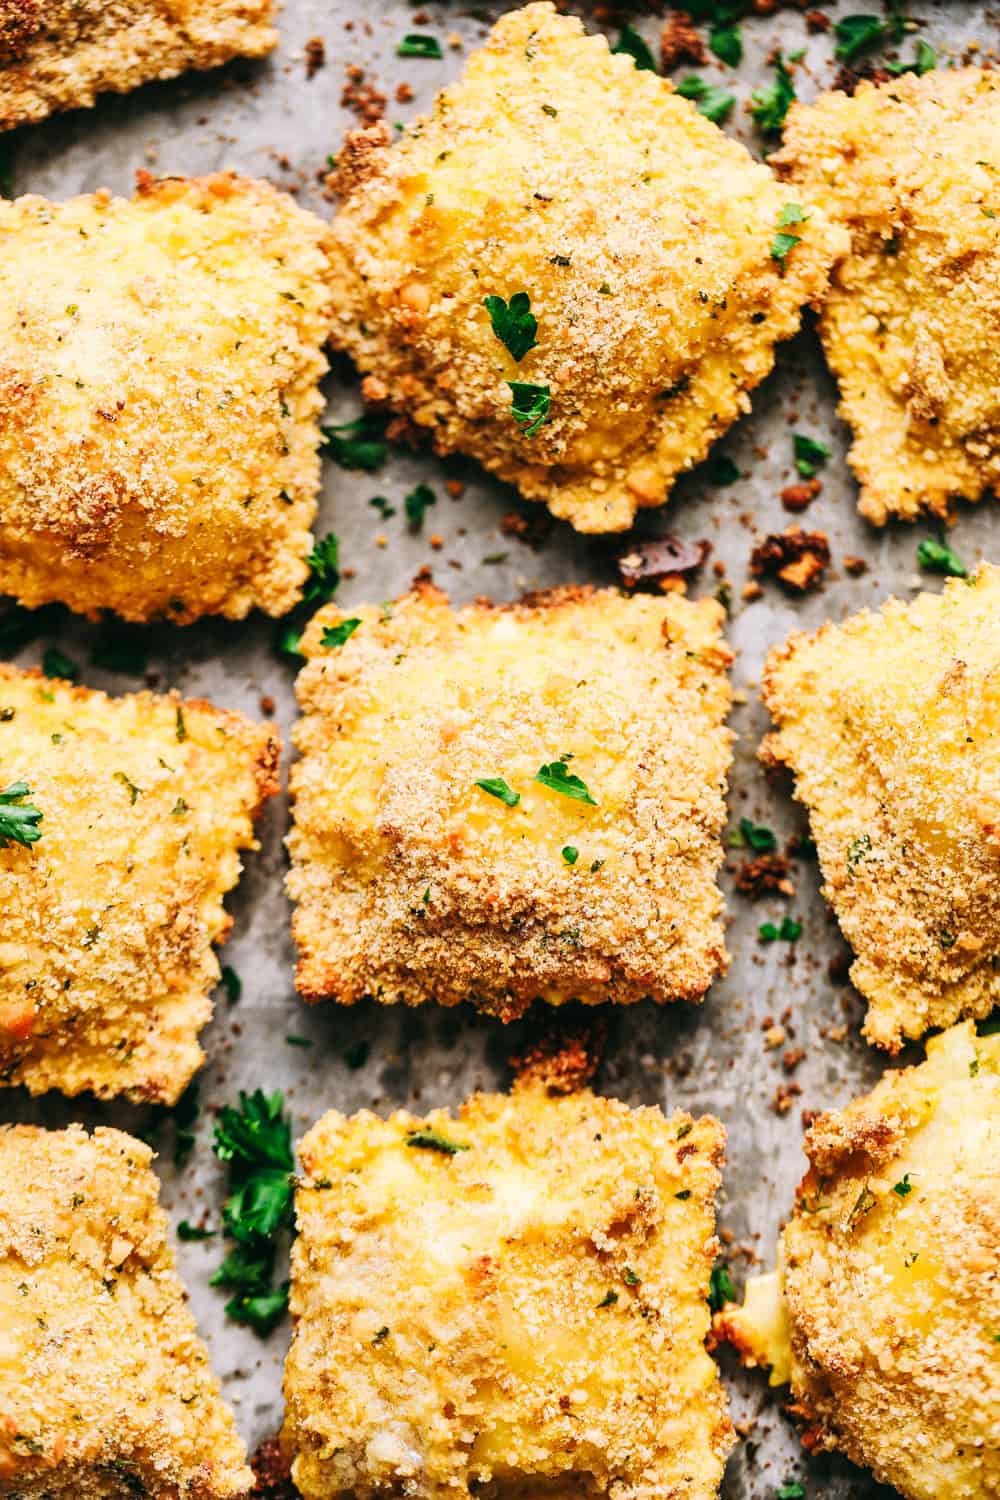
<point>510,1302</point>
<point>885,1311</point>
<point>912,169</point>
<point>112,898</point>
<point>158,398</point>
<point>506,803</point>
<point>891,723</point>
<point>105,1386</point>
<point>642,237</point>
<point>60,54</point>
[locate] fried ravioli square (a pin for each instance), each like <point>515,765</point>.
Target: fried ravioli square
<point>890,724</point>
<point>507,803</point>
<point>112,898</point>
<point>910,168</point>
<point>105,1386</point>
<point>60,54</point>
<point>158,398</point>
<point>642,237</point>
<point>510,1302</point>
<point>884,1313</point>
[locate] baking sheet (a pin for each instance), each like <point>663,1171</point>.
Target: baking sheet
<point>269,119</point>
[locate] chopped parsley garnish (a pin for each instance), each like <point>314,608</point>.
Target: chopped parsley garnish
<point>720,1288</point>
<point>432,1140</point>
<point>935,556</point>
<point>570,855</point>
<point>558,779</point>
<point>792,213</point>
<point>358,444</point>
<point>180,728</point>
<point>336,635</point>
<point>630,1278</point>
<point>417,44</point>
<point>19,820</point>
<point>185,1117</point>
<point>782,244</point>
<point>753,836</point>
<point>770,105</point>
<point>924,61</point>
<point>529,405</point>
<point>632,45</point>
<point>324,570</point>
<point>514,324</point>
<point>382,505</point>
<point>861,33</point>
<point>708,98</point>
<point>186,1231</point>
<point>789,932</point>
<point>792,1491</point>
<point>903,1188</point>
<point>231,983</point>
<point>809,454</point>
<point>298,1041</point>
<point>417,503</point>
<point>727,44</point>
<point>722,470</point>
<point>863,1204</point>
<point>609,1299</point>
<point>56,664</point>
<point>287,642</point>
<point>134,792</point>
<point>256,1143</point>
<point>857,850</point>
<point>497,787</point>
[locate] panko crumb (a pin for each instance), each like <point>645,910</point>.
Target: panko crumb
<point>641,233</point>
<point>105,1386</point>
<point>884,1312</point>
<point>106,958</point>
<point>159,395</point>
<point>910,168</point>
<point>511,1301</point>
<point>415,883</point>
<point>60,54</point>
<point>889,723</point>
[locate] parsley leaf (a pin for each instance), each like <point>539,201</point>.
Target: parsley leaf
<point>56,664</point>
<point>789,932</point>
<point>792,1491</point>
<point>709,99</point>
<point>188,1232</point>
<point>792,213</point>
<point>782,243</point>
<point>530,405</point>
<point>904,1187</point>
<point>722,470</point>
<point>255,1141</point>
<point>425,1139</point>
<point>514,324</point>
<point>336,635</point>
<point>556,777</point>
<point>720,1288</point>
<point>770,105</point>
<point>417,503</point>
<point>570,855</point>
<point>416,44</point>
<point>632,45</point>
<point>727,43</point>
<point>359,444</point>
<point>609,1299</point>
<point>497,787</point>
<point>231,983</point>
<point>809,454</point>
<point>935,556</point>
<point>856,34</point>
<point>324,570</point>
<point>753,836</point>
<point>287,642</point>
<point>19,820</point>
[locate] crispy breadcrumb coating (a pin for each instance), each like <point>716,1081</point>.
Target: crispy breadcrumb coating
<point>890,723</point>
<point>640,232</point>
<point>158,398</point>
<point>911,169</point>
<point>105,1386</point>
<point>60,54</point>
<point>106,958</point>
<point>414,883</point>
<point>508,1302</point>
<point>885,1312</point>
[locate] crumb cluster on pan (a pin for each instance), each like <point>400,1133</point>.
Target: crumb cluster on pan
<point>414,883</point>
<point>885,1311</point>
<point>912,169</point>
<point>641,233</point>
<point>889,723</point>
<point>106,958</point>
<point>105,1387</point>
<point>159,398</point>
<point>510,1301</point>
<point>60,54</point>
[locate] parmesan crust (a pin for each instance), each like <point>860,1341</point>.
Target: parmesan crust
<point>523,1317</point>
<point>105,1386</point>
<point>106,958</point>
<point>910,168</point>
<point>641,233</point>
<point>60,54</point>
<point>413,883</point>
<point>888,1278</point>
<point>890,723</point>
<point>158,398</point>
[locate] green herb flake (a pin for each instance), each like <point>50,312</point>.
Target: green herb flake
<point>432,1140</point>
<point>935,556</point>
<point>495,786</point>
<point>924,60</point>
<point>570,855</point>
<point>782,245</point>
<point>903,1188</point>
<point>231,983</point>
<point>708,98</point>
<point>358,444</point>
<point>770,105</point>
<point>683,1195</point>
<point>417,503</point>
<point>630,1278</point>
<point>557,778</point>
<point>858,850</point>
<point>789,932</point>
<point>809,454</point>
<point>530,405</point>
<point>727,44</point>
<point>720,1288</point>
<point>609,1299</point>
<point>180,728</point>
<point>863,1204</point>
<point>56,664</point>
<point>753,836</point>
<point>856,34</point>
<point>134,792</point>
<point>287,642</point>
<point>19,819</point>
<point>189,1232</point>
<point>336,635</point>
<point>417,44</point>
<point>631,44</point>
<point>513,323</point>
<point>722,470</point>
<point>324,570</point>
<point>791,1491</point>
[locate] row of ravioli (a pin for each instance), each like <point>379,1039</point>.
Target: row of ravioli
<point>583,311</point>
<point>500,805</point>
<point>516,1300</point>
